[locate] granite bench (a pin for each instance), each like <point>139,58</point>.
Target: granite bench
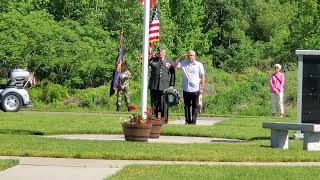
<point>279,134</point>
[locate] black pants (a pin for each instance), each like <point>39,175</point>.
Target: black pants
<point>191,106</point>
<point>158,104</point>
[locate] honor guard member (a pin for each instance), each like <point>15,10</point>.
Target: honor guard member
<point>123,86</point>
<point>162,76</point>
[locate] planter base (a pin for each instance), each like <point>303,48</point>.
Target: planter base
<point>136,132</point>
<point>155,130</point>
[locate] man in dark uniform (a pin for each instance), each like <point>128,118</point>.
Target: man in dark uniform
<point>162,76</point>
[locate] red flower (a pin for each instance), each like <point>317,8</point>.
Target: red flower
<point>131,107</point>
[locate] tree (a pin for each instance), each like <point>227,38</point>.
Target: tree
<point>62,52</point>
<point>188,16</point>
<point>305,27</point>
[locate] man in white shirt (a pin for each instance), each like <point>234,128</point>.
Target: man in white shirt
<point>193,79</point>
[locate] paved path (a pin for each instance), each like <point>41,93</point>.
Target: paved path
<point>37,168</point>
<point>207,121</point>
<point>32,168</point>
<point>162,139</point>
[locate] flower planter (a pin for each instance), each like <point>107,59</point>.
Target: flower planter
<point>136,132</point>
<point>155,129</point>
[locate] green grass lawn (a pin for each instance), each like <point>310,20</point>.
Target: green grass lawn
<point>59,123</point>
<point>41,123</point>
<point>17,139</point>
<point>258,150</point>
<point>5,164</point>
<point>183,172</point>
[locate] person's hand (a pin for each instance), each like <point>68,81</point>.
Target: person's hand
<point>180,57</point>
<point>201,91</point>
<point>171,87</point>
<point>183,56</point>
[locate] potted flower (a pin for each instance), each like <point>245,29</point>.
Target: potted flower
<point>156,127</point>
<point>156,124</point>
<point>136,128</point>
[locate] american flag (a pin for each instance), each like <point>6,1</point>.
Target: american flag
<point>154,31</point>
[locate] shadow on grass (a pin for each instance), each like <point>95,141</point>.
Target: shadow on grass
<point>20,132</point>
<point>265,146</point>
<point>265,138</point>
<point>259,138</point>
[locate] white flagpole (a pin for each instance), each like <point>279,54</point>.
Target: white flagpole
<point>144,92</point>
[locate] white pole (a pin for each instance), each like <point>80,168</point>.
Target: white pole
<point>145,60</point>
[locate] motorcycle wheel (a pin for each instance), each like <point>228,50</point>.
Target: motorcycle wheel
<point>11,102</point>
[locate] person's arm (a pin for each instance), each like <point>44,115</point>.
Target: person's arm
<point>202,83</point>
<point>202,79</point>
<point>282,81</point>
<point>172,76</point>
<point>125,75</point>
<point>128,74</point>
<point>178,60</point>
<point>272,85</point>
<point>150,58</point>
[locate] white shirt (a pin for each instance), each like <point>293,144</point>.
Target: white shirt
<point>191,73</point>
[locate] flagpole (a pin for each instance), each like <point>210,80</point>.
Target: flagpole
<point>144,92</point>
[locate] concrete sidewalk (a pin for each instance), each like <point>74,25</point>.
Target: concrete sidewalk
<point>34,168</point>
<point>205,121</point>
<point>161,139</point>
<point>202,121</point>
<point>38,168</point>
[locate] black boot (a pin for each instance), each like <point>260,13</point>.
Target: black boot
<point>187,115</point>
<point>166,120</point>
<point>195,112</point>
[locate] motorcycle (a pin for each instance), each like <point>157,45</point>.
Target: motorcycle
<point>13,95</point>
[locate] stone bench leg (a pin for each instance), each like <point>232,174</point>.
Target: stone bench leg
<point>279,138</point>
<point>311,141</point>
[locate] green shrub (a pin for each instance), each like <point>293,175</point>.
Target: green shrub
<point>244,93</point>
<point>47,92</point>
<point>93,97</point>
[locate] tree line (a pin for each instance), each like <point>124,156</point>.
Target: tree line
<point>75,42</point>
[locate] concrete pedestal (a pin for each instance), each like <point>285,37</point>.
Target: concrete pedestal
<point>279,138</point>
<point>311,141</point>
